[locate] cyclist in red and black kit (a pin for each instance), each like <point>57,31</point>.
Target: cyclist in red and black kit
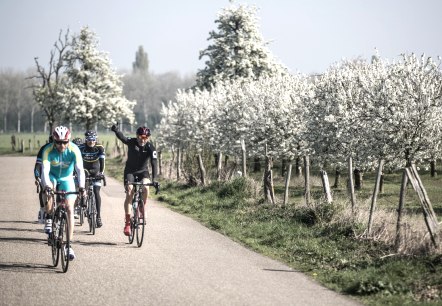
<point>139,152</point>
<point>93,162</point>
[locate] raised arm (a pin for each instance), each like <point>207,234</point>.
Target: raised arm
<point>119,134</point>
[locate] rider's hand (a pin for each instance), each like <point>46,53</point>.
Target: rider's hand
<point>114,128</point>
<point>36,182</point>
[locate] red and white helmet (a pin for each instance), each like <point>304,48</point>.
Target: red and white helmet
<point>61,133</point>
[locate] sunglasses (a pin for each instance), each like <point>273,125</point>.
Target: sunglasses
<point>59,142</point>
<point>142,136</point>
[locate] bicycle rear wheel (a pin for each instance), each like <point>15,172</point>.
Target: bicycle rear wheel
<point>54,241</point>
<point>81,213</point>
<point>63,238</point>
<point>132,230</point>
<point>141,223</point>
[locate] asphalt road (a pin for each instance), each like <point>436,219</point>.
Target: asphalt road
<point>179,263</point>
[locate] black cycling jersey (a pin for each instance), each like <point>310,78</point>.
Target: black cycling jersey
<point>93,158</point>
<point>138,156</point>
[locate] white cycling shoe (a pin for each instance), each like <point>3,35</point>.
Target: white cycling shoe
<point>71,253</point>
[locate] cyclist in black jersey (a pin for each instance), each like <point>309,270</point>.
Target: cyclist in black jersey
<point>93,163</point>
<point>139,151</point>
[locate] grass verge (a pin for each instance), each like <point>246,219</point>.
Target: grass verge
<point>318,241</point>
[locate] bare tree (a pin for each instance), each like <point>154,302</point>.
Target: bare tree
<point>47,94</point>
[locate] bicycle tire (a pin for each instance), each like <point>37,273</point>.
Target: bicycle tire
<point>64,241</point>
<point>131,237</point>
<point>81,213</point>
<point>89,210</point>
<point>141,223</point>
<point>93,224</point>
<point>55,250</point>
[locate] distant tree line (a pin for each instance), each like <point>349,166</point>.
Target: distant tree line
<point>78,88</point>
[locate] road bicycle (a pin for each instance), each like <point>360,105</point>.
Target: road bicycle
<point>137,220</point>
<point>90,209</point>
<point>59,237</point>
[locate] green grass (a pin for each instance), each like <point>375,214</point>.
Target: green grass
<point>32,142</point>
<point>316,241</point>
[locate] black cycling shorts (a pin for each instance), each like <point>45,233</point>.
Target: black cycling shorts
<point>136,176</point>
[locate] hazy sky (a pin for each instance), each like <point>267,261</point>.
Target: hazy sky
<point>306,35</point>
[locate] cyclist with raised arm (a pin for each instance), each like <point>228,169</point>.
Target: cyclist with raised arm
<point>139,151</point>
<point>58,164</point>
<point>94,162</point>
<point>37,176</point>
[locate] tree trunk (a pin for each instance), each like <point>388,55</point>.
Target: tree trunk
<point>269,192</point>
<point>202,170</point>
<point>358,179</point>
<point>375,196</point>
<point>326,186</point>
<point>404,183</point>
<point>256,164</point>
<point>433,168</point>
<point>337,177</point>
<point>18,122</point>
<point>160,163</point>
<point>172,163</point>
<point>298,168</point>
<point>178,164</point>
<point>32,119</point>
<point>287,184</point>
<point>226,160</point>
<point>351,184</point>
<point>244,158</point>
<point>283,167</point>
<point>219,166</point>
<point>307,194</point>
<point>381,183</point>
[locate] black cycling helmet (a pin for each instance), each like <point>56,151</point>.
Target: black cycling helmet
<point>78,141</point>
<point>143,131</point>
<point>90,135</point>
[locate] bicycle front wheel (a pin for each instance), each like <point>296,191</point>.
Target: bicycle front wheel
<point>141,223</point>
<point>63,238</point>
<point>93,216</point>
<point>92,213</point>
<point>53,238</point>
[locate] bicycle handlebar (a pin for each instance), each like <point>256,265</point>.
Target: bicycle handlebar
<point>156,185</point>
<point>61,192</point>
<point>97,178</point>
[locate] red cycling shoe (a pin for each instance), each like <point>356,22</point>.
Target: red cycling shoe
<point>127,229</point>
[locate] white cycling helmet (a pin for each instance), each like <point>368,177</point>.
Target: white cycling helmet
<point>61,133</point>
